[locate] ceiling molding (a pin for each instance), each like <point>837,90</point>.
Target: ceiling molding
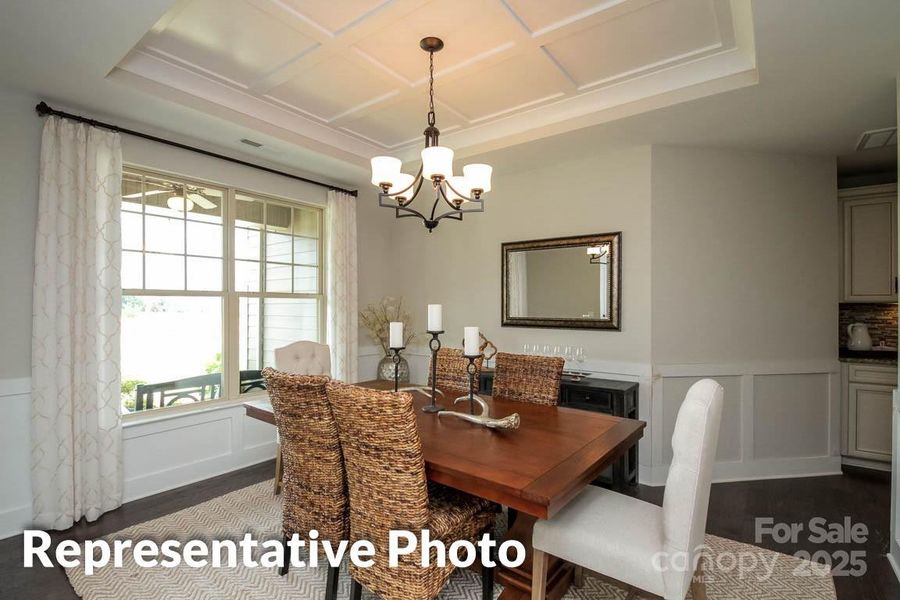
<point>347,79</point>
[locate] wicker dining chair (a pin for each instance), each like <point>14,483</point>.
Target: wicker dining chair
<point>527,378</point>
<point>389,490</point>
<point>452,370</point>
<point>314,479</point>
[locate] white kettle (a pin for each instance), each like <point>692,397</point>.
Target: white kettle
<point>859,338</point>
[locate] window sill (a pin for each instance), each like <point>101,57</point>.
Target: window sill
<point>166,414</point>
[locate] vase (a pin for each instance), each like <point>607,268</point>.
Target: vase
<point>386,369</point>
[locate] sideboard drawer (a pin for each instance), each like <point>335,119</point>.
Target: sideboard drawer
<point>872,373</point>
<point>598,400</point>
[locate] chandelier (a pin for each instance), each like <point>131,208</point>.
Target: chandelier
<point>454,195</point>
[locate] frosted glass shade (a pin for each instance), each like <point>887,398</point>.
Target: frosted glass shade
<point>401,182</point>
<point>180,203</point>
<point>437,161</point>
<point>462,186</point>
<point>478,176</point>
<point>385,169</point>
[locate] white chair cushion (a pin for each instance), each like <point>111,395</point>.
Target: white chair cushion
<point>609,533</point>
<point>304,358</point>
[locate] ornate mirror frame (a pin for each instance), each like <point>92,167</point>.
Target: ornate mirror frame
<point>615,288</point>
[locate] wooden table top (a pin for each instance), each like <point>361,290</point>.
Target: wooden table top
<point>536,469</point>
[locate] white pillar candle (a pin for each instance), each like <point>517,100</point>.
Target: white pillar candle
<point>471,341</point>
<point>435,318</point>
<point>396,337</point>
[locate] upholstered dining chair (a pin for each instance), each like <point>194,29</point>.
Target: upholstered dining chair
<point>655,549</point>
<point>315,485</point>
<point>388,490</point>
<point>528,378</point>
<point>452,370</point>
<point>301,358</point>
<point>304,358</point>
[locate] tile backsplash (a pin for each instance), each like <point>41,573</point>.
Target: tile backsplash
<point>881,319</point>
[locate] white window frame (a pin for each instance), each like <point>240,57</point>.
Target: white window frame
<point>230,326</point>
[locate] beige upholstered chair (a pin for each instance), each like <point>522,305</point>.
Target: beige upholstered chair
<point>389,490</point>
<point>301,358</point>
<point>651,548</point>
<point>452,371</point>
<point>304,358</point>
<point>527,378</point>
<point>315,485</point>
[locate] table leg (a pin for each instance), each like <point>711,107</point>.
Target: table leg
<point>517,582</point>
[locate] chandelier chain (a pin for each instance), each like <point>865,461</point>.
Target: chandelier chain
<point>431,89</point>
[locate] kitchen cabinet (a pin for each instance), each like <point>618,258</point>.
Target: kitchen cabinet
<point>867,413</point>
<point>869,230</point>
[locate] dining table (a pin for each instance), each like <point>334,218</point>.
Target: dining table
<point>535,469</point>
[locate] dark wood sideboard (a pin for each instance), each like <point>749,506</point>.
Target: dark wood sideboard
<point>608,396</point>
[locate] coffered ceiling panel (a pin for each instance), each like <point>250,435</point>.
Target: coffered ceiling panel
<point>332,87</point>
<point>469,28</point>
<point>348,76</point>
<point>334,15</point>
<point>229,38</point>
<point>638,40</point>
<point>524,79</point>
<point>402,122</point>
<point>539,15</point>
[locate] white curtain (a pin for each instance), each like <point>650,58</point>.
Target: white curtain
<point>76,433</point>
<point>518,284</point>
<point>340,253</point>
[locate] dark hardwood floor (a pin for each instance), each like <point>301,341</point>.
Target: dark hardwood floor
<point>733,510</point>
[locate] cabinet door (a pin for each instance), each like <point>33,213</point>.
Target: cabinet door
<point>870,418</point>
<point>870,242</point>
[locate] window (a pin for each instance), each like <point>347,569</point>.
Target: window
<point>213,281</point>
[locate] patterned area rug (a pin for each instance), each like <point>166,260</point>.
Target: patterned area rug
<point>255,510</point>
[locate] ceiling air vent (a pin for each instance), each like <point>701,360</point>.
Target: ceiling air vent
<point>251,143</point>
<point>877,138</point>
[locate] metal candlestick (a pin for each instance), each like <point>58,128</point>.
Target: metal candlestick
<point>396,352</point>
<point>470,369</point>
<point>435,345</point>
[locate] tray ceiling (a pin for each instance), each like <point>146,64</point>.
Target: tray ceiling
<point>350,76</point>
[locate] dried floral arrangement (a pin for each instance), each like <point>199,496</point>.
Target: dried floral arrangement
<point>376,318</point>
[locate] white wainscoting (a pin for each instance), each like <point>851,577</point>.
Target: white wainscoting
<point>780,419</point>
<point>159,454</point>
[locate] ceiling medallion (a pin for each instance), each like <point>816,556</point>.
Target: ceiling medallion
<point>454,195</point>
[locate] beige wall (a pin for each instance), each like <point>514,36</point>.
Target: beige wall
<point>19,163</point>
<point>458,265</point>
<point>745,256</point>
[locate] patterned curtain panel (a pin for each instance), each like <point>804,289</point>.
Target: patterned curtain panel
<point>340,252</point>
<point>76,432</point>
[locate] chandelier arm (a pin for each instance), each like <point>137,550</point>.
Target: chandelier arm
<point>443,195</point>
<point>460,194</point>
<point>461,211</point>
<point>413,212</point>
<point>416,180</point>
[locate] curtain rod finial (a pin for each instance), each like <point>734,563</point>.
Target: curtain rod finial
<point>43,108</point>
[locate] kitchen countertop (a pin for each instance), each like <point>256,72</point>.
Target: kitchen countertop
<point>868,356</point>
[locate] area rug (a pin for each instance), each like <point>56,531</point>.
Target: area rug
<point>255,510</point>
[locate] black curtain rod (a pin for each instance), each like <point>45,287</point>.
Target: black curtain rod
<point>43,109</point>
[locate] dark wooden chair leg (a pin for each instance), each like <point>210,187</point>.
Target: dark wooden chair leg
<point>487,578</point>
<point>355,590</point>
<point>331,584</point>
<point>511,515</point>
<point>288,552</point>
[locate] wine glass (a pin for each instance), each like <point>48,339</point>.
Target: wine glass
<point>579,356</point>
<point>527,349</point>
<point>546,351</point>
<point>568,354</point>
<point>556,351</point>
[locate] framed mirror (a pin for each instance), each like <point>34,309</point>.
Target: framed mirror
<point>567,283</point>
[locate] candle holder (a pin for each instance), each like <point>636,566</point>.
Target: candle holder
<point>396,352</point>
<point>435,345</point>
<point>470,369</point>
